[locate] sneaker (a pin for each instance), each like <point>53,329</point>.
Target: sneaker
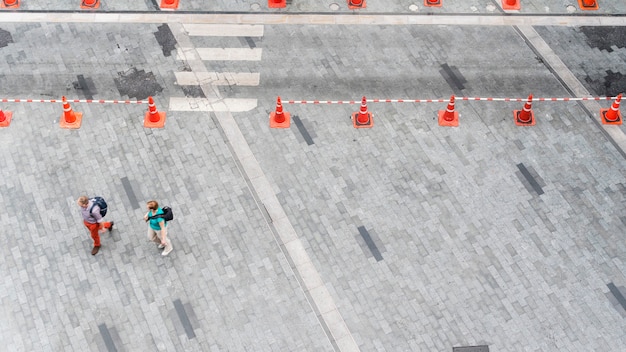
<point>95,250</point>
<point>167,251</point>
<point>160,246</point>
<point>111,227</point>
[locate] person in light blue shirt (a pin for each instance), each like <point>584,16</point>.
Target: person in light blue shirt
<point>157,229</point>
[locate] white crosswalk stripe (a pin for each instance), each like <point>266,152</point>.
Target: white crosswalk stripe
<point>200,77</point>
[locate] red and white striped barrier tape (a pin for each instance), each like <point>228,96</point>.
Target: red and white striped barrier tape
<point>101,101</point>
<point>74,101</point>
<point>439,100</point>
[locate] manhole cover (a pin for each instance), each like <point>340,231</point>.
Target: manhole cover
<point>334,6</point>
<point>414,8</point>
<point>255,7</point>
<point>571,8</point>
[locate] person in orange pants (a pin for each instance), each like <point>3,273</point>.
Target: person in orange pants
<point>93,220</point>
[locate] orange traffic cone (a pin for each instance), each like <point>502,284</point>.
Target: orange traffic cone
<point>449,117</point>
<point>90,4</point>
<point>525,117</point>
<point>169,4</point>
<point>432,3</point>
<point>153,118</point>
<point>356,4</point>
<point>511,5</point>
<point>70,119</point>
<point>5,118</point>
<point>278,118</point>
<point>612,116</point>
<point>363,118</point>
<point>276,3</point>
<point>588,4</point>
<point>10,4</point>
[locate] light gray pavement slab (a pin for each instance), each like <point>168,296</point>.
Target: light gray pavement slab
<point>470,252</point>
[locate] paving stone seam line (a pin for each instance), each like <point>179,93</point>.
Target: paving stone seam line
<point>317,19</point>
<point>317,296</point>
<point>536,43</point>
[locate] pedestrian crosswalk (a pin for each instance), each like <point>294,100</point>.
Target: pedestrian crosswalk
<point>190,78</point>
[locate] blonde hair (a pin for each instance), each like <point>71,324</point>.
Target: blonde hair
<point>84,200</point>
<point>153,204</point>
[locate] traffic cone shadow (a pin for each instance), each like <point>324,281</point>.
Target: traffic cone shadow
<point>70,119</point>
<point>526,116</point>
<point>363,118</point>
<point>5,118</point>
<point>449,117</point>
<point>278,118</point>
<point>153,118</point>
<point>612,116</point>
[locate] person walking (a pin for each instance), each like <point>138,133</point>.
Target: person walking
<point>157,229</point>
<point>93,220</point>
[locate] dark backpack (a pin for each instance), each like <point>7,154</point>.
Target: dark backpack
<point>101,203</point>
<point>167,215</point>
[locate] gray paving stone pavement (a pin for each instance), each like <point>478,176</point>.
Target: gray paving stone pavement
<point>469,252</point>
